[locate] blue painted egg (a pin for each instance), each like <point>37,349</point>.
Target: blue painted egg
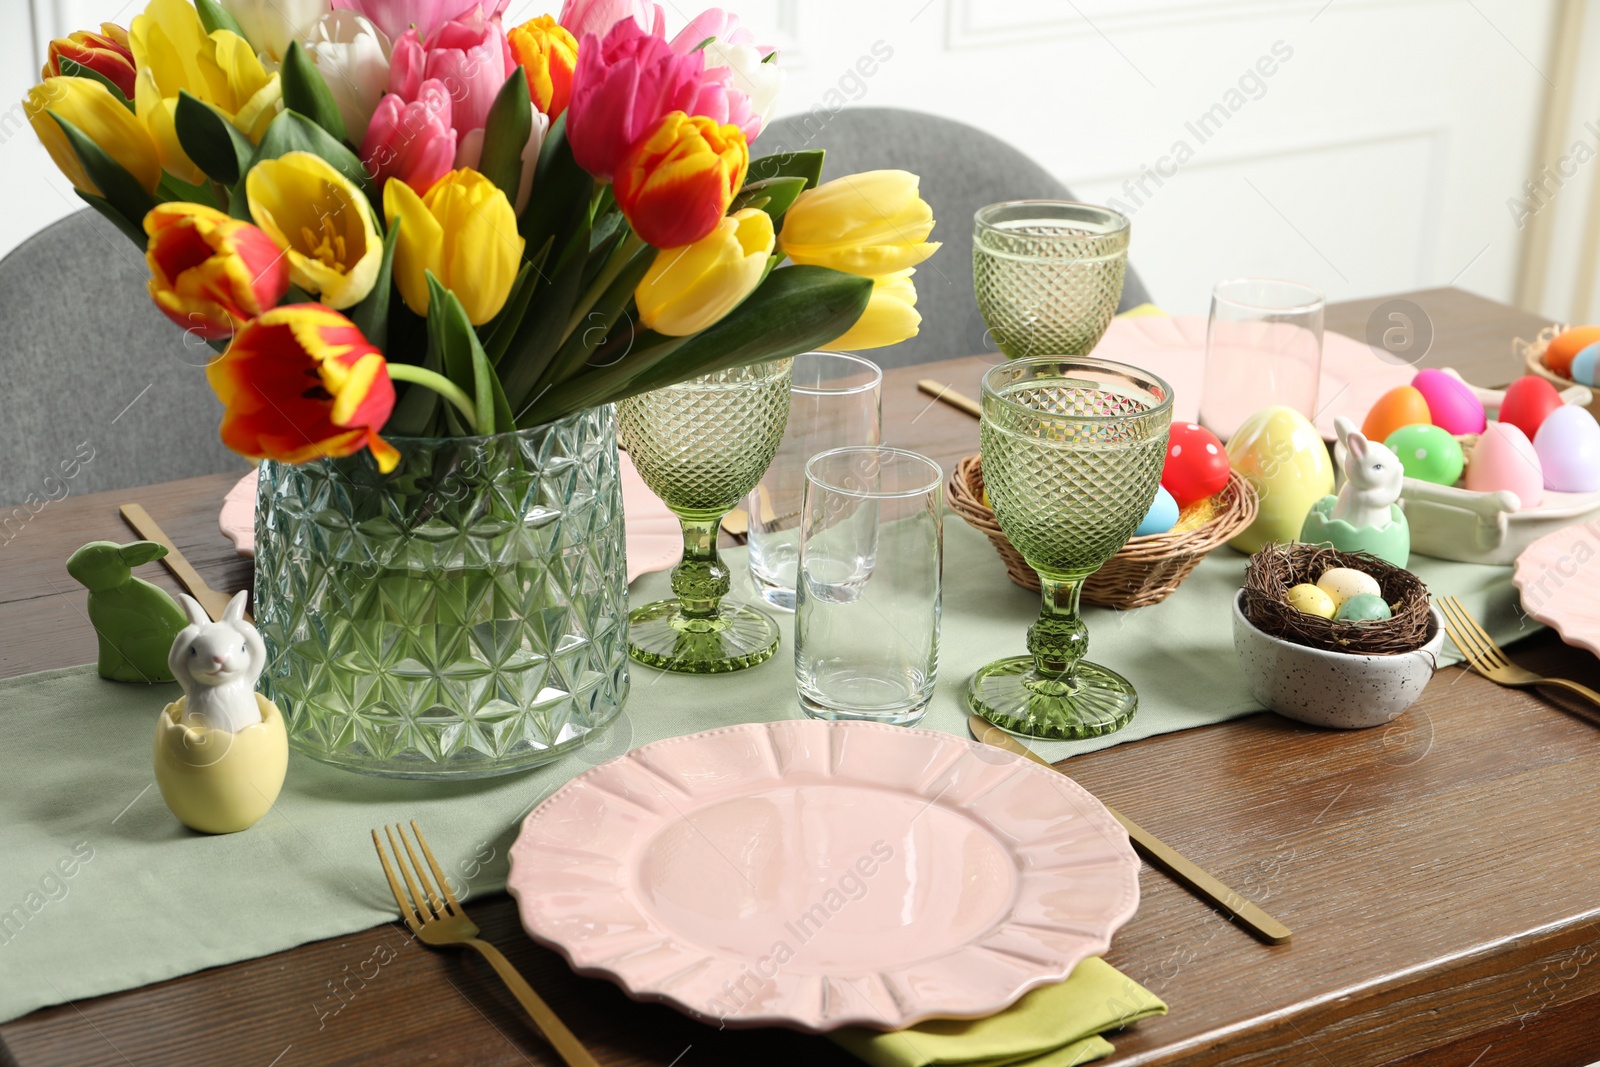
<point>1162,516</point>
<point>1583,365</point>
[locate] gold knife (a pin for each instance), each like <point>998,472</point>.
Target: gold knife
<point>143,525</point>
<point>1152,848</point>
<point>940,391</point>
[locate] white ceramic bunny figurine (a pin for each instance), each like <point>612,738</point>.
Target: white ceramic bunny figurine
<point>1373,478</point>
<point>218,664</point>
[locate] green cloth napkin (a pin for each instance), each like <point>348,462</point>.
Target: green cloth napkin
<point>1053,1026</point>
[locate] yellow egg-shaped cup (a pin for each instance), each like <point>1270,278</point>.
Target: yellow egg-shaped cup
<point>219,782</point>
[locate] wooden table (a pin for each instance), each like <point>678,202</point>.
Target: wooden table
<point>1442,875</point>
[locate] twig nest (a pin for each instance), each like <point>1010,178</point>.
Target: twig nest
<point>1278,569</point>
<point>220,781</point>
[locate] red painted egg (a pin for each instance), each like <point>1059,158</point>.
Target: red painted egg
<point>1528,400</point>
<point>1197,464</point>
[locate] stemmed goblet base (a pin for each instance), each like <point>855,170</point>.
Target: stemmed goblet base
<point>1016,696</point>
<point>662,635</point>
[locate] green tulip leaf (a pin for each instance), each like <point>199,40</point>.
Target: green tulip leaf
<point>589,331</point>
<point>463,359</point>
<point>72,69</point>
<point>133,230</point>
<point>119,188</point>
<point>214,17</point>
<point>498,332</point>
<point>544,324</point>
<point>371,315</point>
<point>175,189</point>
<point>772,195</point>
<point>505,134</point>
<point>305,91</point>
<point>559,184</point>
<point>214,144</point>
<point>293,132</point>
<point>807,165</point>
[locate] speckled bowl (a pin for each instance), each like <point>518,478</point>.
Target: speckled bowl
<point>1338,689</point>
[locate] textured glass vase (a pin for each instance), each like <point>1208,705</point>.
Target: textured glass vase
<point>462,616</point>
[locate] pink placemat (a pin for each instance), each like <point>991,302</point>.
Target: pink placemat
<point>1353,376</point>
<point>655,540</point>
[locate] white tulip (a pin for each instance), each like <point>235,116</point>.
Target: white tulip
<point>353,57</point>
<point>269,25</point>
<point>761,81</point>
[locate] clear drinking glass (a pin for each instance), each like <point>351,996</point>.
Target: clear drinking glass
<point>1263,347</point>
<point>867,605</point>
<point>1072,455</point>
<point>1048,274</point>
<point>834,402</point>
<point>701,446</point>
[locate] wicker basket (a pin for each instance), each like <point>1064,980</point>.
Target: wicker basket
<point>1532,353</point>
<point>1145,571</point>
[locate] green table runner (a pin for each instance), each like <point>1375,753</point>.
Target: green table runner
<point>101,889</point>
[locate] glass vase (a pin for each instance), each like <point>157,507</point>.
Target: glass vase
<point>463,616</point>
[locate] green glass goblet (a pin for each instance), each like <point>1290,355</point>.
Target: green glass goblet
<point>1048,274</point>
<point>701,446</point>
<point>1072,455</point>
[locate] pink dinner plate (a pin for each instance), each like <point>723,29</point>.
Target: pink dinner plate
<point>1353,376</point>
<point>1558,577</point>
<point>815,875</point>
<point>654,537</point>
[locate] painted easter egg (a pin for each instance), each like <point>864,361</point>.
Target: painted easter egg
<point>1452,404</point>
<point>1282,455</point>
<point>1162,516</point>
<point>1311,600</point>
<point>1428,453</point>
<point>1196,465</point>
<point>1528,401</point>
<point>1583,366</point>
<point>1568,446</point>
<point>1561,351</point>
<point>1363,607</point>
<point>1504,459</point>
<point>1403,405</point>
<point>1342,583</point>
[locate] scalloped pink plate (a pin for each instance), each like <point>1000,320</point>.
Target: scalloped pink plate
<point>1557,577</point>
<point>1353,376</point>
<point>654,537</point>
<point>815,875</point>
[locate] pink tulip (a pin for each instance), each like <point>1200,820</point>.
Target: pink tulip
<point>622,87</point>
<point>582,17</point>
<point>470,57</point>
<point>719,99</point>
<point>713,22</point>
<point>395,17</point>
<point>411,141</point>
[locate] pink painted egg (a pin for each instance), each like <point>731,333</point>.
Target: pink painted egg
<point>1568,445</point>
<point>1452,405</point>
<point>1504,459</point>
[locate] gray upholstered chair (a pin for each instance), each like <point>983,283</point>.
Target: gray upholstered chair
<point>101,391</point>
<point>962,169</point>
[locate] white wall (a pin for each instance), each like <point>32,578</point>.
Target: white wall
<point>1378,155</point>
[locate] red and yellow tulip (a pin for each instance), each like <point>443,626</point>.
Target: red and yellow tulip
<point>675,185</point>
<point>300,383</point>
<point>549,55</point>
<point>211,273</point>
<point>107,53</point>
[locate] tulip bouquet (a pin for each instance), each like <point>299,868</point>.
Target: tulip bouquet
<point>513,224</point>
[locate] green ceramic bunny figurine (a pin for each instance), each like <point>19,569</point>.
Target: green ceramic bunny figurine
<point>136,621</point>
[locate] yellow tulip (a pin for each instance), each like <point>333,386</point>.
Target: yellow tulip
<point>874,223</point>
<point>465,232</point>
<point>99,116</point>
<point>891,315</point>
<point>692,287</point>
<point>173,52</point>
<point>321,221</point>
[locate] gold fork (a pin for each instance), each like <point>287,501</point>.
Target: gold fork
<point>1488,660</point>
<point>438,923</point>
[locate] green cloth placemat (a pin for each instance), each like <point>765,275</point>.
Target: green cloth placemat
<point>101,889</point>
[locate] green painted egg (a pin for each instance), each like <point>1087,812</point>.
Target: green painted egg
<point>1428,453</point>
<point>1363,607</point>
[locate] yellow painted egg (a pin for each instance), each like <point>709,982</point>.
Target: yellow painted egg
<point>1342,583</point>
<point>1311,600</point>
<point>1282,455</point>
